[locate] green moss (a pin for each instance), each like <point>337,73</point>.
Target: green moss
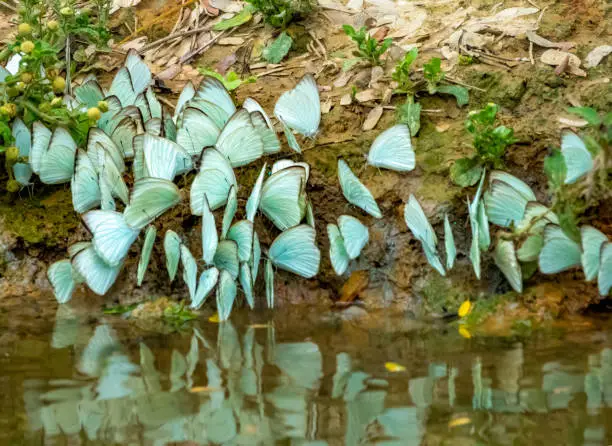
<point>438,188</point>
<point>436,150</point>
<point>504,89</point>
<point>441,295</point>
<point>324,159</point>
<point>485,307</point>
<point>50,221</point>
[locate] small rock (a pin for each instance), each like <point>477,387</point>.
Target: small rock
<point>372,118</point>
<point>362,78</point>
<point>343,79</point>
<point>326,106</point>
<point>376,75</point>
<point>572,123</point>
<point>347,99</point>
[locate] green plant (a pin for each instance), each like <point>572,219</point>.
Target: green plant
<point>278,48</point>
<point>410,114</point>
<point>434,76</point>
<point>465,60</point>
<point>231,80</point>
<point>489,143</point>
<point>402,71</point>
<point>177,315</point>
<point>368,48</point>
<point>280,13</point>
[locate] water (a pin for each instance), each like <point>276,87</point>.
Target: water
<point>300,379</point>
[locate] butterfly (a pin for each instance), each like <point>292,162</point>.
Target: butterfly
<point>112,235</point>
<point>52,155</point>
<point>131,80</point>
<point>299,109</point>
<point>295,250</point>
<point>420,227</point>
<point>559,252</point>
<point>215,179</point>
<point>89,93</point>
<point>172,250</point>
<point>506,199</point>
<point>145,253</point>
<point>355,192</point>
<point>578,159</point>
<point>505,257</point>
<point>23,141</point>
<point>346,239</point>
<point>150,198</point>
<point>392,149</point>
<point>240,141</point>
<point>283,196</point>
<point>226,295</point>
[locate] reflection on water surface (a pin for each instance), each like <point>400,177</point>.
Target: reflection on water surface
<point>301,383</point>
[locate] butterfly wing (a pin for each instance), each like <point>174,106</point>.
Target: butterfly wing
<point>230,211</point>
<point>592,242</point>
<point>239,141</point>
<point>269,278</point>
<point>196,131</point>
<point>208,280</point>
<point>604,277</point>
<point>210,239</point>
<point>559,253</point>
<point>392,149</point>
<point>226,294</point>
<point>226,257</point>
<point>213,91</point>
<point>57,164</point>
<point>242,233</point>
<point>89,93</point>
<point>449,244</point>
<point>84,184</point>
<point>578,159</point>
<point>255,197</point>
<point>295,250</point>
<point>187,94</point>
<point>145,253</point>
<point>60,274</point>
<point>172,249</point>
<point>139,71</point>
<point>281,197</point>
<point>190,270</point>
<point>246,282</point>
<point>112,237</point>
<point>151,197</point>
<point>337,251</point>
<point>504,256</point>
<point>354,233</point>
<point>164,158</point>
<point>504,205</point>
<point>355,192</point>
<point>40,144</point>
<point>98,275</point>
<point>300,108</point>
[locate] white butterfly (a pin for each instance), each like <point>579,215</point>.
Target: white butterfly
<point>559,253</point>
<point>215,179</point>
<point>578,159</point>
<point>53,155</point>
<point>145,253</point>
<point>392,149</point>
<point>172,249</point>
<point>505,258</point>
<point>23,141</point>
<point>283,198</point>
<point>355,192</point>
<point>240,141</point>
<point>112,236</point>
<point>226,295</point>
<point>151,197</point>
<point>295,250</point>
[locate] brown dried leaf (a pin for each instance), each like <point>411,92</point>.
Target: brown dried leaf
<point>372,118</point>
<point>367,95</point>
<point>355,284</point>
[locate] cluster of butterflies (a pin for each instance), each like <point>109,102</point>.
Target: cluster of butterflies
<point>533,235</point>
<point>210,135</point>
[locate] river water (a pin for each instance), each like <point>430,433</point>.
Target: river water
<point>301,378</point>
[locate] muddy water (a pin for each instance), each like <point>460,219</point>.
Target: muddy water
<point>300,379</point>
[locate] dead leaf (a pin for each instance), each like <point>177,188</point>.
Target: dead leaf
<point>118,4</point>
<point>572,123</point>
<point>559,58</point>
<point>442,127</point>
<point>355,5</point>
<point>381,33</point>
<point>169,73</point>
<point>376,75</point>
<point>545,43</point>
<point>235,41</point>
<point>367,95</point>
<point>343,79</point>
<point>136,44</point>
<point>347,99</point>
<point>224,64</point>
<point>355,284</point>
<point>510,21</point>
<point>596,55</point>
<point>372,118</point>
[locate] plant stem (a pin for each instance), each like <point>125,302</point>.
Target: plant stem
<point>43,115</point>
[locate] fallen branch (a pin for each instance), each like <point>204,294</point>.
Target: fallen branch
<point>173,36</point>
<point>204,47</point>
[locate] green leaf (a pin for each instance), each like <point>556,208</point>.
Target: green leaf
<point>410,114</point>
<point>465,172</point>
<point>239,19</point>
<point>589,114</point>
<point>432,71</point>
<point>461,93</point>
<point>569,224</point>
<point>278,49</point>
<point>555,169</point>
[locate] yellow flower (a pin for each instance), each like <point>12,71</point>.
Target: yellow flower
<point>66,11</point>
<point>464,332</point>
<point>460,421</point>
<point>59,83</point>
<point>394,367</point>
<point>214,318</point>
<point>27,46</point>
<point>24,28</point>
<point>12,155</point>
<point>52,25</point>
<point>55,102</point>
<point>94,113</point>
<point>26,77</point>
<point>103,106</point>
<point>465,308</point>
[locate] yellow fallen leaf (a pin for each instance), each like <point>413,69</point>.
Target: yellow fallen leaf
<point>464,332</point>
<point>201,389</point>
<point>465,308</point>
<point>394,367</point>
<point>460,421</point>
<point>214,318</point>
<point>259,326</point>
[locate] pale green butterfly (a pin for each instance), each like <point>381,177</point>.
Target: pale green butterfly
<point>505,258</point>
<point>578,159</point>
<point>210,239</point>
<point>145,253</point>
<point>354,233</point>
<point>190,270</point>
<point>559,253</point>
<point>239,140</point>
<point>96,273</point>
<point>196,131</point>
<point>112,236</point>
<point>355,192</point>
<point>592,242</point>
<point>215,179</point>
<point>295,250</point>
<point>337,250</point>
<point>300,108</point>
<point>172,249</point>
<point>229,212</point>
<point>226,295</point>
<point>151,197</point>
<point>392,149</point>
<point>282,197</point>
<point>226,257</point>
<point>207,281</point>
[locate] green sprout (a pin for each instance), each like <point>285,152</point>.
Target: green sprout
<point>368,48</point>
